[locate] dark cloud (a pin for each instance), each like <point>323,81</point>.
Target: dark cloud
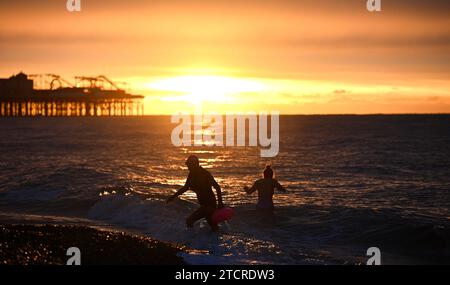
<point>340,91</point>
<point>336,42</point>
<point>434,7</point>
<point>26,39</point>
<point>361,41</point>
<point>433,98</point>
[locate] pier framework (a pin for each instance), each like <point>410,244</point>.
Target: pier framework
<point>19,98</point>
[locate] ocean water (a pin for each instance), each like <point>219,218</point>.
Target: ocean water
<point>353,182</point>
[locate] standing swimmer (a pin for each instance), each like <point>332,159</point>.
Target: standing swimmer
<point>200,181</point>
<point>265,187</point>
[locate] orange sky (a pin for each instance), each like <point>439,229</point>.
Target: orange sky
<point>290,56</point>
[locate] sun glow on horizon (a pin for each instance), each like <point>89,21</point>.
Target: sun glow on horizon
<point>197,89</point>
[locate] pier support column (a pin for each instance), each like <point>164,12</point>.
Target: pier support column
<point>11,109</point>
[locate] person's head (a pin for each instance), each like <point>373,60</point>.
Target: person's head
<point>268,172</point>
<point>192,162</point>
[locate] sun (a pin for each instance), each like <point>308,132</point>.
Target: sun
<point>205,88</point>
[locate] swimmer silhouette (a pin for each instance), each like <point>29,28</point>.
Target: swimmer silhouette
<point>265,188</point>
<point>200,181</point>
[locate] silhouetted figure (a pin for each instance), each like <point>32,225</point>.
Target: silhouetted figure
<point>265,187</point>
<point>200,181</point>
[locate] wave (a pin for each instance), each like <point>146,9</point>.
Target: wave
<point>303,234</point>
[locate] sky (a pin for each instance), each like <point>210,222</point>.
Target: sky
<point>295,57</point>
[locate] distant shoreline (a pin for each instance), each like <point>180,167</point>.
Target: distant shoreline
<point>26,244</point>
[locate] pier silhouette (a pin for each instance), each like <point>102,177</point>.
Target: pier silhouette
<point>50,95</point>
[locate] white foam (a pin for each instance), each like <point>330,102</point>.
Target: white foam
<point>233,244</point>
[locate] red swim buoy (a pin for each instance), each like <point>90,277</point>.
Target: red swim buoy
<point>221,215</point>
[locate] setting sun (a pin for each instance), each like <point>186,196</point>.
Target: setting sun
<point>200,88</point>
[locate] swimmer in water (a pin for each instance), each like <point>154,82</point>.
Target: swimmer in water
<point>200,181</point>
<point>266,188</point>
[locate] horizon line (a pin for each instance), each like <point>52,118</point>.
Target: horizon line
<point>223,114</point>
<point>319,114</point>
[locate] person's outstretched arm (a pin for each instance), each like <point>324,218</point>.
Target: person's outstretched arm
<point>178,193</point>
<point>250,190</point>
<point>279,186</point>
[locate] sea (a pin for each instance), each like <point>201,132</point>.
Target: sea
<point>353,182</point>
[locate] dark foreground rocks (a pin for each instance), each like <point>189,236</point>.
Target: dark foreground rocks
<point>48,244</point>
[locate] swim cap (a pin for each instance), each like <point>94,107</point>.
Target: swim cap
<point>192,160</point>
<point>268,172</point>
